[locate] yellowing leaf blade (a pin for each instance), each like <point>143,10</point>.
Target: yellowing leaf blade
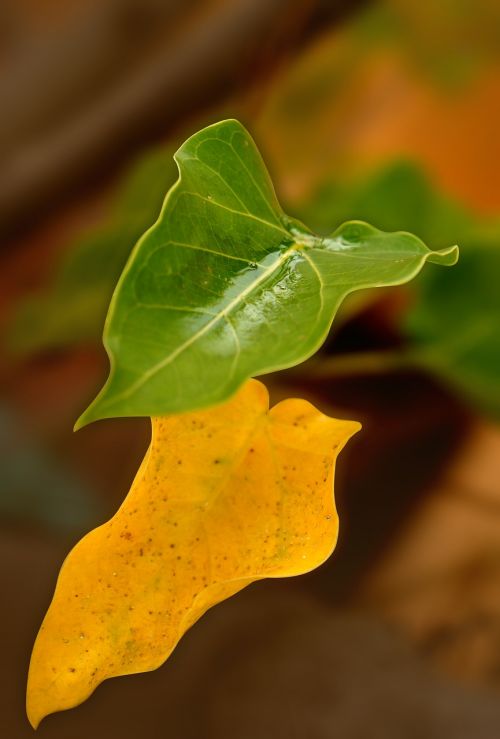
<point>224,496</point>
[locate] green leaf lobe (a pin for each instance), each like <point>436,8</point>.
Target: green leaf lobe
<point>225,286</point>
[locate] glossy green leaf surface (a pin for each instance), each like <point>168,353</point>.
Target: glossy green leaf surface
<point>225,286</point>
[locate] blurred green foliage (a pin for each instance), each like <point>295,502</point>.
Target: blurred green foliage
<point>453,320</point>
<point>72,309</point>
<point>37,486</point>
<point>455,324</point>
<point>396,197</point>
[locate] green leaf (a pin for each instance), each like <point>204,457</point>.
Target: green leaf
<point>396,196</point>
<point>225,286</point>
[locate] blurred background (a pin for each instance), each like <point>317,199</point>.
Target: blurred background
<point>384,110</point>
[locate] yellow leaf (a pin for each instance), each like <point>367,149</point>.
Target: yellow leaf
<point>223,497</point>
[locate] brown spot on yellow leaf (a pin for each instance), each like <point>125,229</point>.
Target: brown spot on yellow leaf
<point>197,533</point>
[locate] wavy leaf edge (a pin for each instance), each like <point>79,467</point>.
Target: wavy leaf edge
<point>295,230</point>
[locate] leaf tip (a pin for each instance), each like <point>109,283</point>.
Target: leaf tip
<point>38,707</point>
<point>97,410</point>
<point>353,427</point>
<point>349,429</point>
<point>84,419</point>
<point>446,257</point>
<point>79,423</point>
<point>34,715</point>
<point>34,722</point>
<point>91,414</point>
<point>225,124</point>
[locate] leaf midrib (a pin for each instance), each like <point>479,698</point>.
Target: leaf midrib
<point>145,376</point>
<point>223,313</point>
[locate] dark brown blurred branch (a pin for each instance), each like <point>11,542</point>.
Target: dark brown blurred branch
<point>120,73</point>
